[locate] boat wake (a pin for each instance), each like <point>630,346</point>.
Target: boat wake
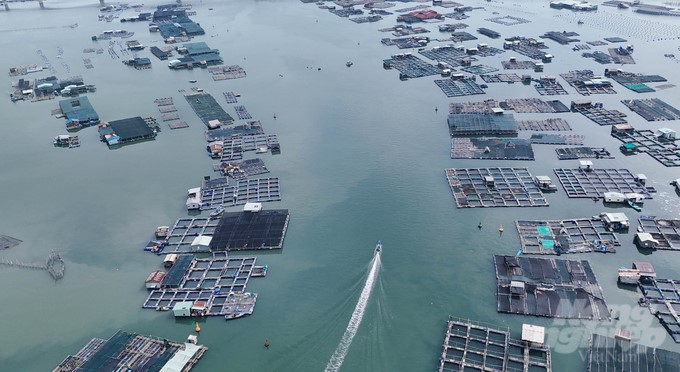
<point>341,351</point>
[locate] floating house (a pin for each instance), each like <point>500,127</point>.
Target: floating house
<point>195,54</point>
<point>125,131</point>
<point>155,279</point>
<point>78,113</point>
<point>615,221</point>
<point>193,198</point>
<point>159,53</point>
<point>142,63</point>
<point>646,240</point>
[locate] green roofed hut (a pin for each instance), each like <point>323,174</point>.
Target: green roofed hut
<point>121,132</point>
<point>78,113</point>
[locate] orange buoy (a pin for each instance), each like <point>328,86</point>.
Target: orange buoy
<point>198,328</point>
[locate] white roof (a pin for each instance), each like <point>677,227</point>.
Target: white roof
<point>181,358</point>
<point>252,207</point>
<point>665,130</point>
<point>641,176</point>
<point>195,190</point>
<point>585,163</point>
<point>645,237</point>
<point>615,217</point>
<point>202,240</point>
<point>613,194</point>
<point>533,333</point>
<point>170,257</point>
<point>542,178</point>
<point>183,305</point>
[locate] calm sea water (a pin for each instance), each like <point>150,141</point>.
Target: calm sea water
<point>363,159</point>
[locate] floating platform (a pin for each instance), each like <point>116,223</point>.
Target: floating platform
<point>447,54</point>
<point>185,230</point>
<point>214,286</point>
<point>166,109</point>
<point>410,42</point>
<point>562,37</point>
<point>220,73</point>
<point>665,151</point>
<point>617,354</point>
<point>621,56</point>
<point>471,346</point>
<point>479,69</point>
<point>557,139</point>
<point>481,125</point>
<point>599,57</point>
<point>585,83</point>
<point>566,236</point>
<point>652,109</point>
<point>410,66</point>
<point>124,350</point>
<point>549,87</point>
<point>9,242</point>
<point>238,231</point>
<point>501,78</point>
<point>460,36</point>
<point>666,232</point>
<point>508,20</point>
<point>230,97</point>
<point>662,296</point>
<point>582,183</point>
<point>518,65</point>
<point>526,46</point>
<point>494,187</point>
<point>243,169</point>
<point>242,113</point>
<point>178,125</point>
<point>207,108</point>
<point>164,101</point>
<point>491,148</point>
<point>549,287</point>
<point>534,105</point>
<point>170,116</point>
<point>251,128</point>
<point>598,114</point>
<point>573,153</point>
<point>245,191</point>
<point>635,82</point>
<point>556,124</point>
<point>459,87</point>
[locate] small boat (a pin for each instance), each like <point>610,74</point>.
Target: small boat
<point>501,229</point>
<point>217,212</point>
<point>479,225</point>
<point>349,63</point>
<point>378,247</point>
<point>192,81</point>
<point>580,22</point>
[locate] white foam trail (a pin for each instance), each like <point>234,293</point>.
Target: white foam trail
<point>341,351</point>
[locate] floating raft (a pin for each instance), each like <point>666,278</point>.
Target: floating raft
<point>618,354</point>
<point>479,69</point>
<point>491,148</point>
<point>665,151</point>
<point>178,125</point>
<point>245,191</point>
<point>652,109</point>
<point>598,114</point>
<point>239,170</point>
<point>582,183</point>
<point>227,72</point>
<point>494,187</point>
<point>164,101</point>
<point>557,139</point>
<point>566,236</point>
<point>124,350</point>
<point>518,65</point>
<point>230,97</point>
<point>8,242</point>
<point>242,113</point>
<point>410,66</point>
<point>207,109</point>
<point>549,287</point>
<point>549,87</point>
<point>662,296</point>
<point>501,78</point>
<point>239,231</point>
<point>533,105</point>
<point>166,109</point>
<point>580,80</point>
<point>665,231</point>
<point>185,230</point>
<point>476,347</point>
<point>557,124</point>
<point>572,153</point>
<point>226,132</point>
<point>459,87</point>
<point>447,54</point>
<point>508,20</point>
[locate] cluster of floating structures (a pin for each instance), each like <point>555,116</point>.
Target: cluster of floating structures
<point>124,351</point>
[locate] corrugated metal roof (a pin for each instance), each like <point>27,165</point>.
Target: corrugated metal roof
<point>181,358</point>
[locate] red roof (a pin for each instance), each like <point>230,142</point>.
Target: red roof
<point>156,277</point>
